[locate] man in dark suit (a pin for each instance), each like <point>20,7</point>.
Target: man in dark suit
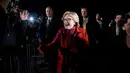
<point>46,33</point>
<point>87,23</point>
<point>49,27</point>
<point>116,42</point>
<point>116,32</point>
<point>99,29</point>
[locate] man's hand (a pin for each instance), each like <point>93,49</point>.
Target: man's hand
<point>24,15</point>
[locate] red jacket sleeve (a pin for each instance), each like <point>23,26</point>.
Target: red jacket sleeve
<point>83,36</point>
<point>55,40</point>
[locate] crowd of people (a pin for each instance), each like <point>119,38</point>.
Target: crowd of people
<point>75,43</point>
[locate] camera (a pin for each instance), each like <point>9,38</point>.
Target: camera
<point>31,19</point>
<point>35,19</point>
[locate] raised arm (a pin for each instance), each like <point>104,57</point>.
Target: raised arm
<point>54,42</point>
<point>24,19</point>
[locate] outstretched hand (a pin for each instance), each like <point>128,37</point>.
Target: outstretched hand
<point>24,15</point>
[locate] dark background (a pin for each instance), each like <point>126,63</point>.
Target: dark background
<point>107,8</point>
<point>103,6</point>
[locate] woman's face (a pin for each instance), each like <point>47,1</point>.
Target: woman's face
<point>68,22</point>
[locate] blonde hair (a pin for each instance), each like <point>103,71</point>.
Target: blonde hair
<point>74,16</point>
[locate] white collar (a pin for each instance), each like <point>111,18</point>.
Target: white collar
<point>85,18</point>
<point>49,18</point>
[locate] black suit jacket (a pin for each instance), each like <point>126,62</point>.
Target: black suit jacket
<point>89,25</point>
<point>112,34</point>
<point>46,34</point>
<point>98,32</point>
<point>112,28</point>
<point>90,28</point>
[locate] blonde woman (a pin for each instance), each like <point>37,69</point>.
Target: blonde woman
<point>71,41</point>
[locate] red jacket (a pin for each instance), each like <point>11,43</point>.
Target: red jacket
<point>79,40</point>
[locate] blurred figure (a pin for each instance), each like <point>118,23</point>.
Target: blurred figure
<point>126,27</point>
<point>99,32</point>
<point>99,20</point>
<point>72,41</point>
<point>4,3</point>
<point>48,26</point>
<point>13,49</point>
<point>88,24</point>
<point>99,28</point>
<point>116,32</point>
<point>101,41</point>
<point>126,55</point>
<point>45,34</point>
<point>116,21</point>
<point>3,21</point>
<point>116,43</point>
